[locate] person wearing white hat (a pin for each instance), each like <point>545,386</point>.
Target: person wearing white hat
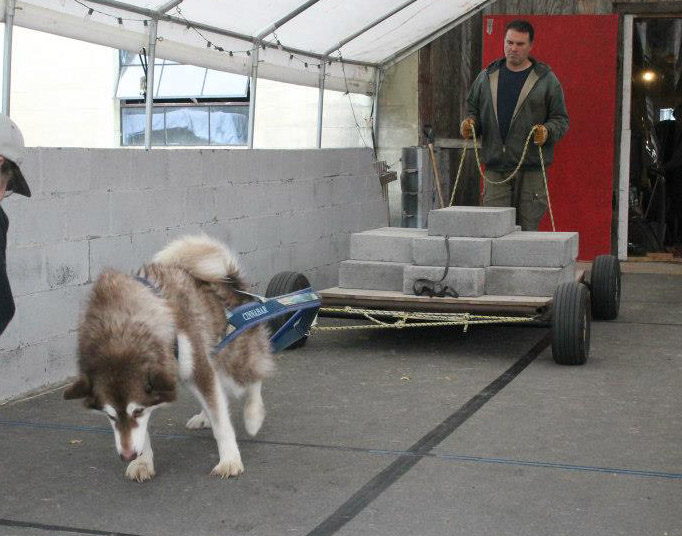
<point>12,181</point>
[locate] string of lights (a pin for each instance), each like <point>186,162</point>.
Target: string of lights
<point>306,61</point>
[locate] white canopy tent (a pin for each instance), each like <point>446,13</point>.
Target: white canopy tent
<point>341,45</point>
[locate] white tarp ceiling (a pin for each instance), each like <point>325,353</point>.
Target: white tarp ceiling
<point>217,34</point>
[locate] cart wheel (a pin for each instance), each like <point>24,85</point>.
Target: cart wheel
<point>605,286</point>
<point>571,324</point>
<point>284,283</point>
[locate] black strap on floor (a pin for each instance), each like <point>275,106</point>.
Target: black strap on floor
<point>427,287</point>
<point>53,529</point>
<point>386,478</point>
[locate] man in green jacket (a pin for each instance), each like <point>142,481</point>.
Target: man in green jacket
<point>507,99</point>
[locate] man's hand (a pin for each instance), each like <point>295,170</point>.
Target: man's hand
<point>540,135</point>
<point>467,127</point>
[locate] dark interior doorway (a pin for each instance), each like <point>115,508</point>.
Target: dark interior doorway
<point>655,202</point>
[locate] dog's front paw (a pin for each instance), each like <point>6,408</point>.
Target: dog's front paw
<point>198,421</point>
<point>140,470</point>
<point>228,468</point>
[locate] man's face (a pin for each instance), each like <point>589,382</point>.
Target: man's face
<point>517,47</point>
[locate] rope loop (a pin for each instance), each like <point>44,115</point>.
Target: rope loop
<point>511,176</point>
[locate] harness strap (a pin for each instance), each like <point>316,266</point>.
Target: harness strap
<point>431,288</point>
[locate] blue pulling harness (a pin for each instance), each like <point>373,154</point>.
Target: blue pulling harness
<point>304,304</point>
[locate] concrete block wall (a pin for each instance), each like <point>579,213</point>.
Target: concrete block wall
<point>93,208</point>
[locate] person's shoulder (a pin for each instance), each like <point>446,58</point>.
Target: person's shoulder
<point>493,66</point>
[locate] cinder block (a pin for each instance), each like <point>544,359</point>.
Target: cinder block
<point>392,244</point>
<point>526,281</point>
<point>467,282</point>
<point>529,248</point>
<point>465,252</point>
<point>479,222</point>
<point>371,275</point>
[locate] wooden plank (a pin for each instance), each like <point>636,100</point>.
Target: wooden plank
<point>397,301</point>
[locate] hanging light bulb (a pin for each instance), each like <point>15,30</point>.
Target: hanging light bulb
<point>649,76</point>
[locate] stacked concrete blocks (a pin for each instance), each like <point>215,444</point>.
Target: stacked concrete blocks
<point>378,258</point>
<point>470,232</point>
<point>488,254</point>
<point>531,263</point>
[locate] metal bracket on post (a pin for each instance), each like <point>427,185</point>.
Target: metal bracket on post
<point>252,91</point>
<point>149,100</point>
<point>320,101</point>
<point>7,55</point>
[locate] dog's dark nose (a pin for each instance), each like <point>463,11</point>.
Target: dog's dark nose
<point>128,456</point>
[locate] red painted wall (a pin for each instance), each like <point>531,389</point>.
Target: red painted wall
<point>582,52</point>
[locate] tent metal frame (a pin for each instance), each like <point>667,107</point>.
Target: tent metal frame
<point>258,41</point>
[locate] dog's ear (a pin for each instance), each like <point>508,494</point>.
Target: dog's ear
<point>81,388</point>
<point>160,386</point>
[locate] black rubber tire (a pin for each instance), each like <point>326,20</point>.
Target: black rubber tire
<point>284,283</point>
<point>571,324</point>
<point>605,286</point>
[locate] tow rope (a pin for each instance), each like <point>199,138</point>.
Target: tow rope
<point>513,173</point>
<point>427,287</point>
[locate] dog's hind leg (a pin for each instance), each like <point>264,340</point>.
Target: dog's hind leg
<point>254,410</point>
<point>200,420</point>
<point>142,467</point>
<point>215,406</point>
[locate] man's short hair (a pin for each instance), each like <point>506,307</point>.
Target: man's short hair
<point>522,26</point>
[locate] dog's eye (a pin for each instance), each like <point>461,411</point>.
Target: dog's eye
<point>138,413</point>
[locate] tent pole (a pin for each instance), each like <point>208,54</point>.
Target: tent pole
<point>252,91</point>
<point>320,102</point>
<point>375,107</point>
<point>149,89</point>
<point>275,25</point>
<point>7,56</point>
<point>371,25</point>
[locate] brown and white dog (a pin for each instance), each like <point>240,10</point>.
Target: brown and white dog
<point>132,331</point>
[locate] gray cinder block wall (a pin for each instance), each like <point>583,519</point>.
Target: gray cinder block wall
<point>91,208</point>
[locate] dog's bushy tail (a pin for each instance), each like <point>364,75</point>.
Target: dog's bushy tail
<point>204,257</point>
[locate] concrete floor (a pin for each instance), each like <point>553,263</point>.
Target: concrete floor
<point>418,432</point>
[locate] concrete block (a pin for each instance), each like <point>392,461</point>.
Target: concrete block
<point>230,203</point>
<point>529,248</point>
<point>184,168</point>
<point>112,170</point>
<point>146,245</point>
<point>322,192</point>
<point>150,169</point>
<point>526,281</point>
<point>481,222</point>
<point>25,270</point>
<point>112,252</point>
<point>28,368</point>
<point>200,205</point>
<point>346,189</point>
<point>300,195</point>
<point>67,264</point>
<point>465,252</point>
<point>41,221</point>
<point>391,244</point>
<point>372,275</point>
<point>87,215</point>
<point>44,315</point>
<point>467,282</point>
<point>62,178</point>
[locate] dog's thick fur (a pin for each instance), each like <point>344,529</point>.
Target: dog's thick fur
<point>127,346</point>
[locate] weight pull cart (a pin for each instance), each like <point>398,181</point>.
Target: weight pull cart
<point>569,312</point>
